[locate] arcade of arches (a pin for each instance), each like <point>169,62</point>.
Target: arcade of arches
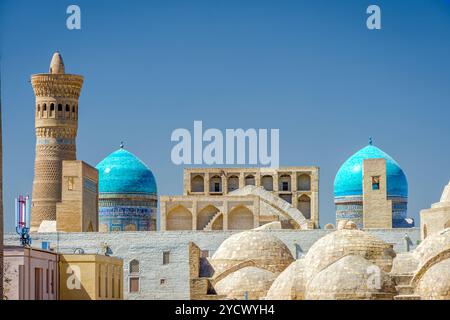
<point>298,186</point>
<point>200,213</point>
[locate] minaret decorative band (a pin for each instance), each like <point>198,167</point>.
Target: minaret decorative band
<point>56,122</point>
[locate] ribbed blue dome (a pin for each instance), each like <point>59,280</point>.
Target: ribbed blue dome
<point>348,181</point>
<point>123,172</point>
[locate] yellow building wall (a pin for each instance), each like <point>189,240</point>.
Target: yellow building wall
<point>90,277</point>
<point>78,209</point>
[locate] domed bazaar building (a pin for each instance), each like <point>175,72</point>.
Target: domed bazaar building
<point>246,264</point>
<point>371,190</point>
<point>290,284</point>
<point>262,249</point>
<point>352,277</point>
<point>426,269</point>
<point>127,193</point>
<point>247,283</point>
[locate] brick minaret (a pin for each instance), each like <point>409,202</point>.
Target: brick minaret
<point>56,122</point>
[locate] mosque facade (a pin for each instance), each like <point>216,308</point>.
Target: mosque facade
<point>243,198</point>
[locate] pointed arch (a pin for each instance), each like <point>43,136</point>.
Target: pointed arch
<point>240,218</point>
<point>267,182</point>
<point>304,206</point>
<point>198,184</point>
<point>285,182</point>
<point>233,183</point>
<point>215,184</point>
<point>134,266</point>
<point>250,180</point>
<point>304,182</point>
<point>179,218</point>
<point>205,215</point>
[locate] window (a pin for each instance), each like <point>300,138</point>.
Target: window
<point>134,285</point>
<point>21,282</point>
<point>52,109</point>
<point>162,282</point>
<point>67,108</point>
<point>106,282</point>
<point>204,254</point>
<point>197,184</point>
<point>52,283</point>
<point>233,183</point>
<point>100,282</point>
<point>38,284</point>
<point>70,183</point>
<point>45,107</point>
<point>304,182</point>
<point>376,183</point>
<point>113,287</point>
<point>59,107</point>
<point>250,180</point>
<point>285,183</point>
<point>267,182</point>
<point>166,257</point>
<point>47,281</point>
<point>119,284</point>
<point>134,266</point>
<point>215,184</point>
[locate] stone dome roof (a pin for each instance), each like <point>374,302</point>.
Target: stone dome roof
<point>57,64</point>
<point>265,250</point>
<point>350,278</point>
<point>251,280</point>
<point>337,244</point>
<point>123,173</point>
<point>348,180</point>
<point>435,283</point>
<point>432,245</point>
<point>404,263</point>
<point>290,284</point>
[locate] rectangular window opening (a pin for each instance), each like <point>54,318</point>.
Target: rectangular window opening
<point>376,183</point>
<point>166,257</point>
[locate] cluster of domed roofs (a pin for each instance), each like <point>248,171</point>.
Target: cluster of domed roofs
<point>346,264</point>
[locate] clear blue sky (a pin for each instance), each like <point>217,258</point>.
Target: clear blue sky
<point>310,68</point>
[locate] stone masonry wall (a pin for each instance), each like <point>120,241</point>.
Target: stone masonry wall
<point>171,281</point>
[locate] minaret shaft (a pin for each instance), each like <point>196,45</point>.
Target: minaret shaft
<point>56,122</point>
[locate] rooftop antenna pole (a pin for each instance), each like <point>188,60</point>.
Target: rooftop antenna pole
<point>23,220</point>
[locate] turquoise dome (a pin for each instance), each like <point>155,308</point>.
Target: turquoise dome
<point>123,173</point>
<point>348,181</point>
